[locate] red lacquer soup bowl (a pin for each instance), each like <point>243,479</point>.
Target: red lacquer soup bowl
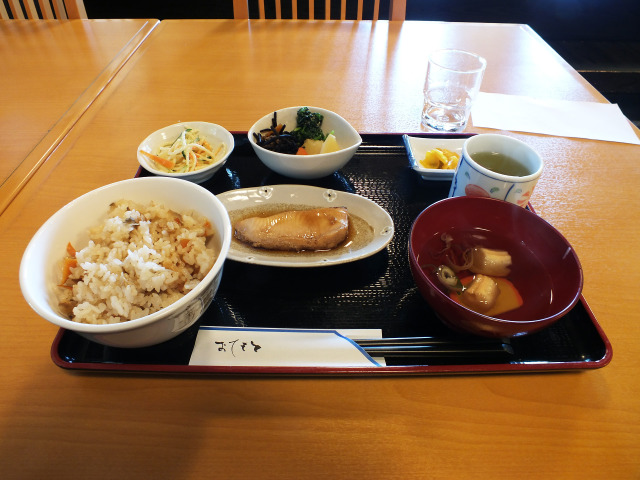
<point>545,268</point>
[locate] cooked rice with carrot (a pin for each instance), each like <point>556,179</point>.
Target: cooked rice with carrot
<point>140,259</point>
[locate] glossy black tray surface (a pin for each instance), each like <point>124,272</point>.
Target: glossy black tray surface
<point>376,292</point>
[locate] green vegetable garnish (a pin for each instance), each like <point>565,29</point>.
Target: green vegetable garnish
<point>309,125</point>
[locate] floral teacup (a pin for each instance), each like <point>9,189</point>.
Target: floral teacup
<point>473,179</point>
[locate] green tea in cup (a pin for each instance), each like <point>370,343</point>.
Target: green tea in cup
<point>501,163</point>
<point>497,166</point>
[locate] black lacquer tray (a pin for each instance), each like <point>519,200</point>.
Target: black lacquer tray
<point>377,292</point>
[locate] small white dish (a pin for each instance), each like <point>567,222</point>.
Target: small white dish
<point>307,166</point>
<point>417,147</point>
<point>214,134</point>
<point>241,202</point>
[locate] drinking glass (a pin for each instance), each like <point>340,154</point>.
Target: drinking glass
<point>453,81</point>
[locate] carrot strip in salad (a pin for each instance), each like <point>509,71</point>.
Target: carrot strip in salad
<point>162,161</point>
<point>220,147</point>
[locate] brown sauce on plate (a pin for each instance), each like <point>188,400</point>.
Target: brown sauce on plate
<point>360,233</point>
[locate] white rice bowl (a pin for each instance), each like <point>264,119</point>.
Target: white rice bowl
<point>129,298</point>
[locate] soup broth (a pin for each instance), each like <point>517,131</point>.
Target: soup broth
<point>500,163</point>
<point>536,290</point>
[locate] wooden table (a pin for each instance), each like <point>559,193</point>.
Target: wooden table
<point>52,71</point>
<point>541,425</point>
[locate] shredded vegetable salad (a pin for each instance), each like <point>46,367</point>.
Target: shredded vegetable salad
<point>187,153</point>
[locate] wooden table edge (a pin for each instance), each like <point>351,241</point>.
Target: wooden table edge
<point>16,181</point>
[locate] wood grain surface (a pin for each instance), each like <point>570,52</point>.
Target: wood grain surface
<point>52,71</point>
<point>59,424</point>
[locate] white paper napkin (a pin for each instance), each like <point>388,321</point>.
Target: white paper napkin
<point>592,120</point>
<point>262,347</point>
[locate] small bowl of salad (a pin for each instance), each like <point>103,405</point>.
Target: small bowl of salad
<point>193,151</point>
<point>304,142</point>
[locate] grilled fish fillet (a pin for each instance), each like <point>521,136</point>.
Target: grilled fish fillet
<point>318,229</point>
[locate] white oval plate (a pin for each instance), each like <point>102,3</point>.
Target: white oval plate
<point>312,197</point>
<point>417,147</point>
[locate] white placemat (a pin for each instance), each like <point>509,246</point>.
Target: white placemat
<point>592,120</point>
